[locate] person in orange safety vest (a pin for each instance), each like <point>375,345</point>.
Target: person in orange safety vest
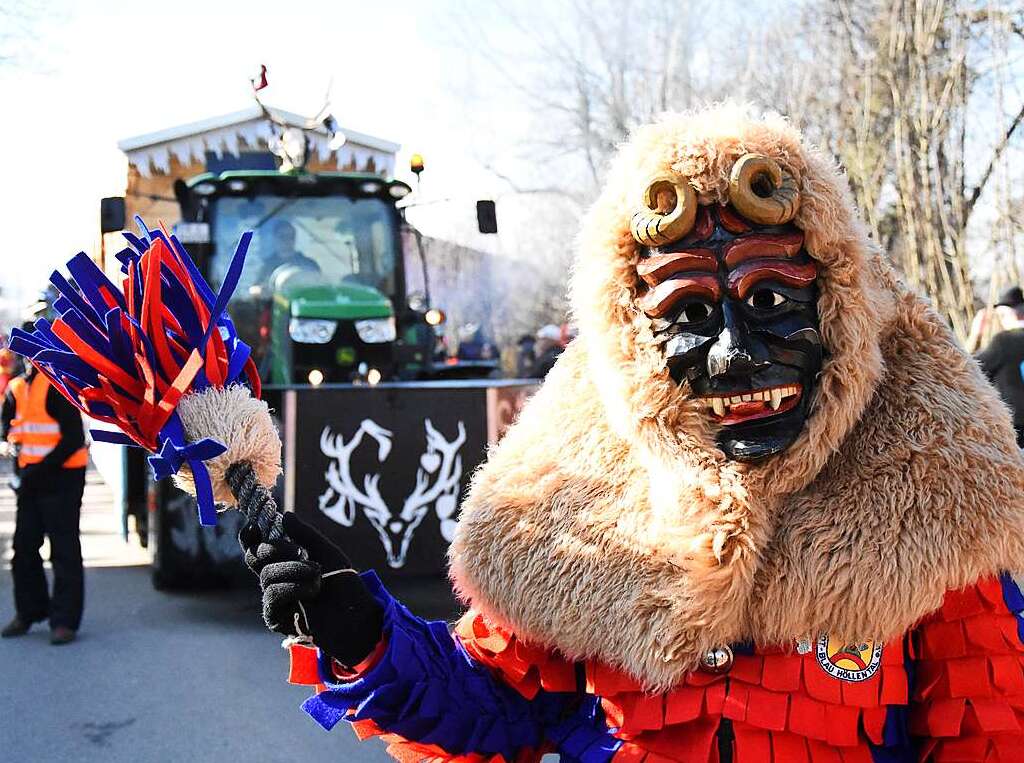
<point>49,436</point>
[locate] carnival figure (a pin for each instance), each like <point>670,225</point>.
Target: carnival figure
<point>764,508</point>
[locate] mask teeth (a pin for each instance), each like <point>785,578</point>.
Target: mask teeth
<point>773,397</point>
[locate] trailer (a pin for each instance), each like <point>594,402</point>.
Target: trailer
<point>378,469</point>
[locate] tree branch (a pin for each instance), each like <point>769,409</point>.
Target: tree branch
<point>997,154</point>
<point>517,189</point>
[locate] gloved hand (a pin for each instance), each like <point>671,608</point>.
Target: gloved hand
<point>340,614</point>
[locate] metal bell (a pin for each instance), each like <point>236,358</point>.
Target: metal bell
<point>718,659</point>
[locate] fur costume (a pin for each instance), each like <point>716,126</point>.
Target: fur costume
<point>608,544</point>
<point>906,482</point>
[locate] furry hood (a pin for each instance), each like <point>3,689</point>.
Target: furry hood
<point>608,525</point>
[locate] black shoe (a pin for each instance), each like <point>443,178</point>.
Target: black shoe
<point>16,627</point>
<point>61,635</point>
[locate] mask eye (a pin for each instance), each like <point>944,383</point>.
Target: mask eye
<point>766,299</point>
<point>694,312</point>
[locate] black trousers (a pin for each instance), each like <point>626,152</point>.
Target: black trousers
<point>51,510</point>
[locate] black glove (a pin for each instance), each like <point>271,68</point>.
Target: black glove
<point>341,616</point>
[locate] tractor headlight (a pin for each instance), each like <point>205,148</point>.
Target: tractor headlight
<point>311,330</point>
<point>376,330</point>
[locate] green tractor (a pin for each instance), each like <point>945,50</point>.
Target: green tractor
<point>322,298</point>
<point>321,301</point>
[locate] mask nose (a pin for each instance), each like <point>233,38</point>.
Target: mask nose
<point>734,353</point>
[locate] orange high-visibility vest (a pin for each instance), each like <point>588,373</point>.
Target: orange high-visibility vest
<point>35,430</point>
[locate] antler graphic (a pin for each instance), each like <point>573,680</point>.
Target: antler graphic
<point>441,458</point>
<point>443,493</point>
<point>341,487</point>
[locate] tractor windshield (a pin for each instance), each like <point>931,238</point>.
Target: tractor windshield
<point>336,239</point>
<point>333,242</point>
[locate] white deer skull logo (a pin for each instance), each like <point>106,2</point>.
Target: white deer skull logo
<point>441,460</point>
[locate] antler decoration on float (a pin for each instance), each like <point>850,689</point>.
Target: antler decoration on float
<point>160,360</point>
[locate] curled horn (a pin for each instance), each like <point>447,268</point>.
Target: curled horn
<point>762,192</point>
<point>655,223</point>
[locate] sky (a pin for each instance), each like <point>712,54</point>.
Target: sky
<point>77,77</point>
<point>88,74</point>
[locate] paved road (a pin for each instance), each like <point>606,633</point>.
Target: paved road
<point>154,677</point>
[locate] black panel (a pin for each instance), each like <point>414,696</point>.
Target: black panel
<point>112,214</point>
<point>403,412</point>
<point>486,216</point>
<point>246,160</point>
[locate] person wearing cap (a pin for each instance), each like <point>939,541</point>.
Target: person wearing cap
<point>1002,359</point>
<point>548,347</point>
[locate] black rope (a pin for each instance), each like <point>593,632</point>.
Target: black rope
<point>254,500</point>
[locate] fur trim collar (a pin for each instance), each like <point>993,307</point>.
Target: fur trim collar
<point>607,525</point>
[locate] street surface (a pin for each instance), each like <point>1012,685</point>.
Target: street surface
<point>153,676</point>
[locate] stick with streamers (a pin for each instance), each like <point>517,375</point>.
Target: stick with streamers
<point>160,360</point>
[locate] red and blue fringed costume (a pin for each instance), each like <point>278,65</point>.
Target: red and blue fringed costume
<point>126,356</point>
<point>951,690</point>
<point>609,523</point>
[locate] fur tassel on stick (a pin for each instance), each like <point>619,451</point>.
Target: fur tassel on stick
<point>160,360</point>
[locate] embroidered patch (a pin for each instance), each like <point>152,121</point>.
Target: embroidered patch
<point>848,662</point>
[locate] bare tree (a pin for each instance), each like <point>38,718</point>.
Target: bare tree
<point>587,73</point>
<point>920,100</point>
<point>921,84</point>
<point>590,72</point>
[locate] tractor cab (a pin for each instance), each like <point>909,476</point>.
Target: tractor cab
<point>322,295</point>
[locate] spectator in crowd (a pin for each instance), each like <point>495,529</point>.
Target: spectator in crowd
<point>9,368</point>
<point>525,355</point>
<point>1002,360</point>
<point>474,344</point>
<point>549,345</point>
<point>1005,314</point>
<point>52,456</point>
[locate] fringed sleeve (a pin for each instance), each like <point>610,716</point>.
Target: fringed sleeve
<point>968,702</point>
<point>432,698</point>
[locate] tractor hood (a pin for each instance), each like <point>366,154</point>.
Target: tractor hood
<point>344,301</point>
